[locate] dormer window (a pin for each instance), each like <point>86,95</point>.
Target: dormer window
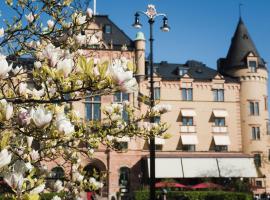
<point>182,71</point>
<point>252,64</point>
<point>107,29</point>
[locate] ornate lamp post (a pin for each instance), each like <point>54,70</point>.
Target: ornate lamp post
<point>151,14</point>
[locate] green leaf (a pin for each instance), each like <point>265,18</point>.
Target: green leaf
<point>5,139</point>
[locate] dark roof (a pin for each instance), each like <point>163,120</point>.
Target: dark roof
<point>117,36</point>
<point>196,70</point>
<point>241,46</point>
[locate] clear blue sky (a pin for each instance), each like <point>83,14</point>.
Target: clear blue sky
<point>201,29</point>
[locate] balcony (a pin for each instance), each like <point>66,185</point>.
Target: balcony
<point>219,129</point>
<point>188,129</point>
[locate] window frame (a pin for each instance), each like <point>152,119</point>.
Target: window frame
<point>257,159</point>
<point>255,133</point>
<point>254,108</point>
<point>187,121</point>
<point>187,94</point>
<point>105,29</point>
<point>122,97</point>
<point>189,147</point>
<point>90,103</point>
<point>218,95</point>
<point>157,93</point>
<point>217,121</point>
<point>252,68</point>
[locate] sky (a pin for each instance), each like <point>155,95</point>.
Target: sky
<point>200,29</point>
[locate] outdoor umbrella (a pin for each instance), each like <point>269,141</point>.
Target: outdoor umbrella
<point>206,185</point>
<point>169,184</point>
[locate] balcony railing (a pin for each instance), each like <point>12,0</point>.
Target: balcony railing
<point>188,129</point>
<point>219,129</point>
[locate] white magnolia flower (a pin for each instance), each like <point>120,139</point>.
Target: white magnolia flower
<point>5,158</point>
<point>29,166</point>
<point>23,90</point>
<point>24,119</point>
<point>6,109</point>
<point>29,141</point>
<point>89,12</point>
<point>14,180</point>
<point>34,155</point>
<point>162,108</point>
<point>5,68</point>
<point>52,54</point>
<point>109,109</point>
<point>64,125</point>
<point>41,117</point>
<point>16,70</point>
<point>37,64</point>
<point>38,93</point>
<point>65,66</point>
<point>30,17</point>
<point>80,39</point>
<point>76,176</point>
<point>80,19</point>
<point>91,151</point>
<point>129,86</point>
<point>2,32</point>
<point>58,186</point>
<point>56,198</point>
<point>50,23</point>
<point>38,189</point>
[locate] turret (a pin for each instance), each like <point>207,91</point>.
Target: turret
<point>140,55</point>
<point>244,62</point>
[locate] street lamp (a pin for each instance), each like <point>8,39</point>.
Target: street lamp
<point>151,14</point>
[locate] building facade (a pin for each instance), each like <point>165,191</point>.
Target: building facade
<point>218,124</point>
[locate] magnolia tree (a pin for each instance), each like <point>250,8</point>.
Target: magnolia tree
<point>42,71</point>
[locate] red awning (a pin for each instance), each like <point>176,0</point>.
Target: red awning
<point>169,184</point>
<point>206,185</point>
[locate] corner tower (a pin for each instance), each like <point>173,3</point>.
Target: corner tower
<point>244,62</point>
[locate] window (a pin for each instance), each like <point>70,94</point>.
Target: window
<point>256,133</point>
<point>157,93</point>
<point>107,29</point>
<point>268,154</point>
<point>187,121</point>
<point>266,103</point>
<point>119,97</point>
<point>189,148</point>
<point>254,108</point>
<point>158,147</point>
<point>92,106</point>
<point>187,94</point>
<point>57,173</point>
<point>268,128</point>
<point>259,184</point>
<point>182,71</point>
<point>219,148</point>
<point>218,94</point>
<point>219,121</point>
<point>123,146</point>
<point>257,160</point>
<point>124,178</point>
<point>252,65</point>
<point>156,119</point>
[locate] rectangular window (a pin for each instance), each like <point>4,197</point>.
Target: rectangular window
<point>187,94</point>
<point>252,65</point>
<point>123,146</point>
<point>267,128</point>
<point>189,147</point>
<point>119,97</point>
<point>256,133</point>
<point>157,93</point>
<point>92,107</point>
<point>187,121</point>
<point>266,103</point>
<point>257,160</point>
<point>219,121</point>
<point>219,148</point>
<point>254,108</point>
<point>218,94</point>
<point>107,29</point>
<point>182,71</point>
<point>157,119</point>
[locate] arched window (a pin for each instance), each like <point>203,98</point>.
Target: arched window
<point>124,177</point>
<point>57,173</point>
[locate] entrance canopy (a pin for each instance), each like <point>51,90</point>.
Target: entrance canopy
<point>200,167</point>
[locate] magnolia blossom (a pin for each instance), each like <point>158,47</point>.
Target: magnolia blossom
<point>95,183</point>
<point>65,66</point>
<point>14,180</point>
<point>29,141</point>
<point>76,176</point>
<point>23,90</point>
<point>2,32</point>
<point>5,68</point>
<point>89,12</point>
<point>38,189</point>
<point>50,23</point>
<point>64,125</point>
<point>6,109</point>
<point>80,39</point>
<point>52,54</point>
<point>58,186</point>
<point>41,117</point>
<point>162,108</point>
<point>129,86</point>
<point>24,119</point>
<point>34,155</point>
<point>30,17</point>
<point>80,19</point>
<point>5,158</point>
<point>37,64</point>
<point>29,166</point>
<point>16,70</point>
<point>56,198</point>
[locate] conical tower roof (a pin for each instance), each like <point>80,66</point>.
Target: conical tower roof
<point>241,46</point>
